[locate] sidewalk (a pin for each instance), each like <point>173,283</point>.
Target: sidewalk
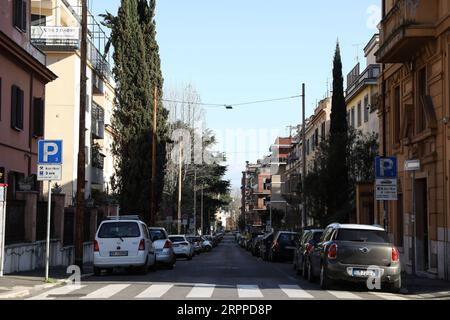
<point>425,287</point>
<point>18,285</point>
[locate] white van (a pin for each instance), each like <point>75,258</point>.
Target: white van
<point>123,242</point>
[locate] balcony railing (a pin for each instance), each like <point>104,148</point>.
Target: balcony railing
<point>56,38</point>
<point>406,25</point>
<point>97,122</point>
<point>370,75</point>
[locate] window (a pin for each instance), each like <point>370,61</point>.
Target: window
<point>357,235</point>
<point>38,117</point>
<point>322,129</point>
<point>38,20</point>
<point>366,109</point>
<point>359,114</point>
<point>16,108</point>
<point>352,117</point>
<point>0,99</point>
<point>20,14</point>
<point>316,137</point>
<point>397,104</point>
<point>422,91</point>
<point>119,230</point>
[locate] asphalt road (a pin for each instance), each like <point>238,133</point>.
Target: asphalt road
<point>228,272</point>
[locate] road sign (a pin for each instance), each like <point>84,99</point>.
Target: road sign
<point>49,172</point>
<point>50,152</point>
<point>386,167</point>
<point>412,165</point>
<point>386,190</point>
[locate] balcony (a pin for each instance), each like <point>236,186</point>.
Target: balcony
<point>407,26</point>
<point>97,122</point>
<point>368,77</point>
<point>97,176</point>
<point>55,38</point>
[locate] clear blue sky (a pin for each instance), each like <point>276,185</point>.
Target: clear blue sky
<point>236,51</point>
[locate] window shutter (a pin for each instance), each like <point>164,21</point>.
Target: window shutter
<point>38,117</point>
<point>20,109</point>
<point>24,15</point>
<point>13,106</point>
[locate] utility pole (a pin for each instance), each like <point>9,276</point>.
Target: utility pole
<point>79,219</point>
<point>304,215</point>
<point>180,162</point>
<point>201,211</point>
<point>153,192</point>
<point>195,200</point>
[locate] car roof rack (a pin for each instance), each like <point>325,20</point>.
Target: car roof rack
<point>127,217</point>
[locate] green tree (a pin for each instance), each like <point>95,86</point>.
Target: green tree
<point>137,73</point>
<point>337,158</point>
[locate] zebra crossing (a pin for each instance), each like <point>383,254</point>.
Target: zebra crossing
<point>176,291</point>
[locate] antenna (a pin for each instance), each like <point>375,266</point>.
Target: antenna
<point>357,46</point>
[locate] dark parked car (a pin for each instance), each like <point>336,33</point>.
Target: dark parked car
<point>346,252</point>
<point>256,245</point>
<point>251,241</point>
<point>283,246</point>
<point>304,247</point>
<point>264,247</point>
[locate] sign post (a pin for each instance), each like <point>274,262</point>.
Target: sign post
<point>3,192</point>
<point>49,169</point>
<point>413,166</point>
<point>386,183</point>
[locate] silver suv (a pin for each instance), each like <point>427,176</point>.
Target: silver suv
<point>350,252</point>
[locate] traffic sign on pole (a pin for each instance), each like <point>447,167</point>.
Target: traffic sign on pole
<point>386,178</point>
<point>50,151</point>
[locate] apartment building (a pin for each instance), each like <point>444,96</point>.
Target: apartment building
<point>23,80</point>
<point>414,116</point>
<point>55,29</point>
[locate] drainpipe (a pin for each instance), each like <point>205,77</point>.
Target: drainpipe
<point>444,138</point>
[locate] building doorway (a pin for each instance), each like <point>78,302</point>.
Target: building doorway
<point>422,237</point>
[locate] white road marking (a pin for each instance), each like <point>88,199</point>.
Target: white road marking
<point>106,291</point>
<point>249,291</point>
<point>344,295</point>
<point>387,295</point>
<point>294,291</point>
<point>57,291</point>
<point>155,291</point>
<point>201,291</point>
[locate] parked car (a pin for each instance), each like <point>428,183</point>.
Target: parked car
<point>345,252</point>
<point>181,246</point>
<point>196,241</point>
<point>304,247</point>
<point>264,247</point>
<point>257,245</point>
<point>123,242</point>
<point>206,244</point>
<point>163,247</point>
<point>283,246</point>
<point>251,239</point>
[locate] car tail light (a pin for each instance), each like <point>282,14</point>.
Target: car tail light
<point>309,247</point>
<point>142,245</point>
<point>168,244</point>
<point>395,256</point>
<point>332,252</point>
<point>96,246</point>
<point>277,244</point>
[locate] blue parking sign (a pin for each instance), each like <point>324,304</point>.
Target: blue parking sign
<point>50,151</point>
<point>386,167</point>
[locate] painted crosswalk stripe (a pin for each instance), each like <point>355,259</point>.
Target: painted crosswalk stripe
<point>387,296</point>
<point>202,291</point>
<point>249,291</point>
<point>344,295</point>
<point>155,291</point>
<point>106,291</point>
<point>61,291</point>
<point>294,291</point>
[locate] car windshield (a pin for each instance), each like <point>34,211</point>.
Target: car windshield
<point>376,236</point>
<point>158,234</point>
<point>119,230</point>
<point>177,239</point>
<point>316,236</point>
<point>288,238</point>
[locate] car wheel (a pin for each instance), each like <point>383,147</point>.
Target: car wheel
<point>325,281</point>
<point>310,273</point>
<point>208,248</point>
<point>394,287</point>
<point>305,270</point>
<point>189,257</point>
<point>97,271</point>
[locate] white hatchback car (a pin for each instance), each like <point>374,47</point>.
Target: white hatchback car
<point>181,246</point>
<point>123,242</point>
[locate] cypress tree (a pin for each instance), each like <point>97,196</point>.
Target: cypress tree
<point>337,167</point>
<point>132,116</point>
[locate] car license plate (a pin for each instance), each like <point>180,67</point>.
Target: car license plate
<point>364,273</point>
<point>118,253</point>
